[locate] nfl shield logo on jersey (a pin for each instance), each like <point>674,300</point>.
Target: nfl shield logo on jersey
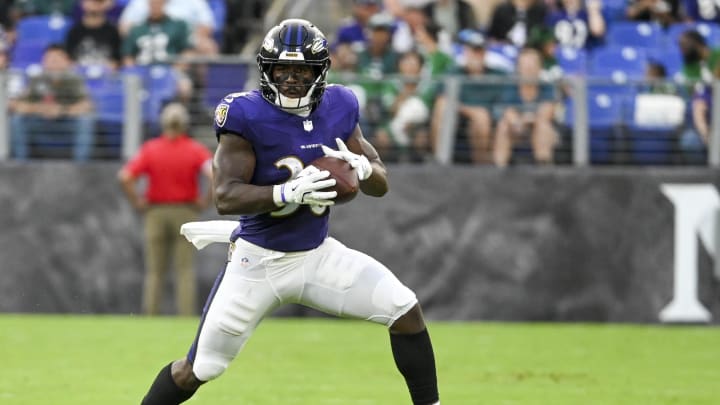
<point>307,124</point>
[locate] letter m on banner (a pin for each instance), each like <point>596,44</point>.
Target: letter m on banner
<point>696,213</point>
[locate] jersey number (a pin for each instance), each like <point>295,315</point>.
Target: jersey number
<point>295,166</point>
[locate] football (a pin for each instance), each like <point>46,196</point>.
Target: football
<point>346,180</point>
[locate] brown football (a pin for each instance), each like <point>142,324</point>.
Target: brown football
<point>346,179</point>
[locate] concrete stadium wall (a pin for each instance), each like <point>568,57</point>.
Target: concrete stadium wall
<point>538,244</point>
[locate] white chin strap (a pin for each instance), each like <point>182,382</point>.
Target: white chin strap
<point>298,106</point>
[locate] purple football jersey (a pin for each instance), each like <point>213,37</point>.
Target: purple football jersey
<point>284,144</point>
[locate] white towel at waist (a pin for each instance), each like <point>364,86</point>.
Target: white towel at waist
<point>203,233</point>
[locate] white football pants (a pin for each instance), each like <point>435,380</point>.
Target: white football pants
<point>331,278</point>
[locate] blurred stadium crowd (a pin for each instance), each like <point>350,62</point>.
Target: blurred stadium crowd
<point>498,82</point>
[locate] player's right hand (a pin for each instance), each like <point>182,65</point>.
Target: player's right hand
<point>303,189</point>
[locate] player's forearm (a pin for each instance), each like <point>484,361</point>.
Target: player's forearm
<point>243,199</point>
<point>377,184</point>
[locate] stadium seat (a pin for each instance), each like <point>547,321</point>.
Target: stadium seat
<point>160,85</point>
<point>27,53</point>
<point>108,96</point>
<point>221,79</point>
<point>618,63</point>
<point>614,11</point>
<point>605,119</point>
<point>94,75</point>
<point>635,34</point>
<point>572,60</point>
<point>47,28</point>
<point>34,34</point>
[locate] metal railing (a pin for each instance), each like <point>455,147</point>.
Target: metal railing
<point>134,118</point>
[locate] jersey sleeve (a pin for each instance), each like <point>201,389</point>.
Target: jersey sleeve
<point>229,117</point>
<point>349,102</point>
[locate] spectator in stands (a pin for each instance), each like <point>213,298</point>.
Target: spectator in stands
<point>664,12</point>
<point>452,15</point>
<point>412,18</point>
<point>405,135</point>
<point>376,62</point>
<point>694,138</point>
<point>196,13</point>
<point>578,23</point>
<point>437,61</point>
<point>657,79</point>
<point>114,9</point>
<point>4,53</point>
<point>242,17</point>
<point>54,106</point>
<point>160,39</point>
<point>157,39</point>
<point>700,11</point>
<point>699,60</point>
<point>172,164</point>
<point>513,20</point>
<point>9,15</point>
<point>15,78</point>
<point>543,40</point>
<point>344,63</point>
<point>475,100</point>
<point>93,40</point>
<point>527,114</point>
<point>352,30</point>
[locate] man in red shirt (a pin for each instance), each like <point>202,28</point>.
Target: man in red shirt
<point>172,164</point>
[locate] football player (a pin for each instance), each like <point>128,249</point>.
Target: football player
<point>281,252</point>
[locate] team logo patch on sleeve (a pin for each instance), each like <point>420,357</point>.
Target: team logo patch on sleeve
<point>221,114</point>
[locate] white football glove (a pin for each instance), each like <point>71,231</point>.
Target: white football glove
<point>303,189</point>
<point>360,163</point>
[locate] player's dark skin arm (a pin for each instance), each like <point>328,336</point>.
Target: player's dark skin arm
<point>377,184</point>
<point>233,167</point>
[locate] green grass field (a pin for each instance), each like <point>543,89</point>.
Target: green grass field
<point>73,360</point>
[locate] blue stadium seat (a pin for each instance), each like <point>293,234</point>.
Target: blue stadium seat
<point>109,99</point>
<point>572,60</point>
<point>221,79</point>
<point>108,95</point>
<point>94,75</point>
<point>618,63</point>
<point>614,11</point>
<point>710,31</point>
<point>160,83</point>
<point>47,28</point>
<point>34,34</point>
<point>635,34</point>
<point>27,53</point>
<point>605,118</point>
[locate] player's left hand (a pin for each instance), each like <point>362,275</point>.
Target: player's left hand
<point>360,163</point>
